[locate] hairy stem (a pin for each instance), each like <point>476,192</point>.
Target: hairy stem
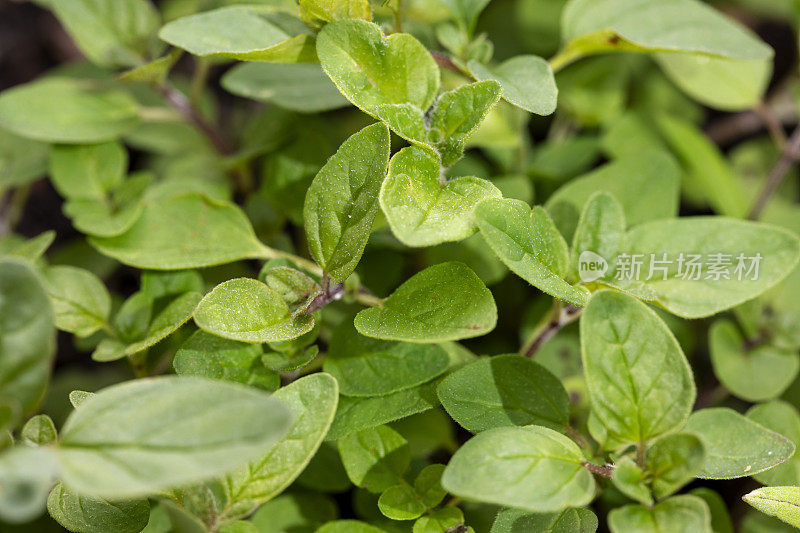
<point>560,317</point>
<point>791,153</point>
<point>600,470</point>
<point>182,105</point>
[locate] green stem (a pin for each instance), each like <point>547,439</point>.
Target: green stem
<point>199,79</point>
<point>560,317</point>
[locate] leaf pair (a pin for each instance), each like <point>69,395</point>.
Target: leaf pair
<point>396,80</point>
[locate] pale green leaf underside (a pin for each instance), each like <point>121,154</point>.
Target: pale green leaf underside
<point>95,515</point>
<point>529,244</point>
<point>640,384</point>
<point>247,310</point>
<point>312,402</point>
<point>443,302</point>
<point>736,446</point>
<point>239,32</point>
<point>526,81</point>
<point>144,436</point>
<point>531,468</point>
<point>183,231</point>
<point>780,502</point>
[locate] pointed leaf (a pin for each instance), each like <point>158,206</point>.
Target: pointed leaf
<point>780,502</point>
<point>443,302</point>
<point>526,81</point>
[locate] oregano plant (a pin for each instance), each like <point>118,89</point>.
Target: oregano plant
<point>383,266</point>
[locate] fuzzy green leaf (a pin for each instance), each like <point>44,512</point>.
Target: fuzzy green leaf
<point>443,302</point>
<point>247,310</point>
<point>186,230</point>
<point>114,446</point>
<point>755,373</point>
<point>531,468</point>
<point>371,69</point>
<point>640,384</point>
<point>783,418</point>
<point>780,502</point>
<point>67,111</point>
<point>312,403</point>
<point>80,299</point>
<point>526,81</point>
<point>76,512</point>
<point>530,245</point>
<point>342,201</point>
<point>505,390</point>
<point>421,209</point>
<point>736,446</point>
<point>27,334</point>
<point>673,461</point>
<point>241,32</point>
<point>375,459</point>
<point>681,513</point>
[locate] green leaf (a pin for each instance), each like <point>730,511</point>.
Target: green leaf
<point>629,479</point>
<point>780,502</point>
<point>640,384</point>
<point>457,114</point>
<point>210,356</point>
<point>428,485</point>
<point>443,302</point>
<point>375,459</point>
<point>21,160</point>
<point>67,111</point>
<point>311,401</point>
<point>359,413</point>
<point>784,419</point>
<point>80,299</point>
<point>317,13</point>
<point>26,474</point>
<point>348,526</point>
<point>88,171</point>
<point>264,318</point>
<point>720,519</point>
<point>27,334</point>
<point>753,373</point>
<point>439,521</point>
<point>183,231</point>
<point>531,468</point>
<point>295,288</point>
<point>530,245</point>
<point>683,35</point>
<point>133,318</point>
<point>154,72</point>
<point>161,284</point>
<point>30,249</point>
<point>421,209</point>
<point>301,87</point>
<point>369,367</point>
<point>177,313</point>
<point>526,81</point>
<point>736,446</point>
<point>114,215</point>
<point>342,202</point>
<point>241,32</point>
<point>288,361</point>
<point>680,513</point>
<point>300,512</point>
<point>371,69</point>
<point>505,390</point>
<point>400,502</point>
<point>646,184</point>
<point>673,461</point>
<point>569,521</point>
<point>111,33</point>
<point>733,242</point>
<point>145,436</point>
<point>76,512</point>
<point>39,431</point>
<point>466,12</point>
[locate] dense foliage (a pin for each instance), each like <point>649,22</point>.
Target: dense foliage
<point>309,291</point>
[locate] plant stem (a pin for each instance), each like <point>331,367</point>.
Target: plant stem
<point>640,458</point>
<point>180,103</point>
<point>600,470</point>
<point>445,61</point>
<point>199,79</point>
<point>398,17</point>
<point>577,437</point>
<point>13,211</point>
<point>560,317</point>
<point>791,153</point>
<point>773,125</point>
